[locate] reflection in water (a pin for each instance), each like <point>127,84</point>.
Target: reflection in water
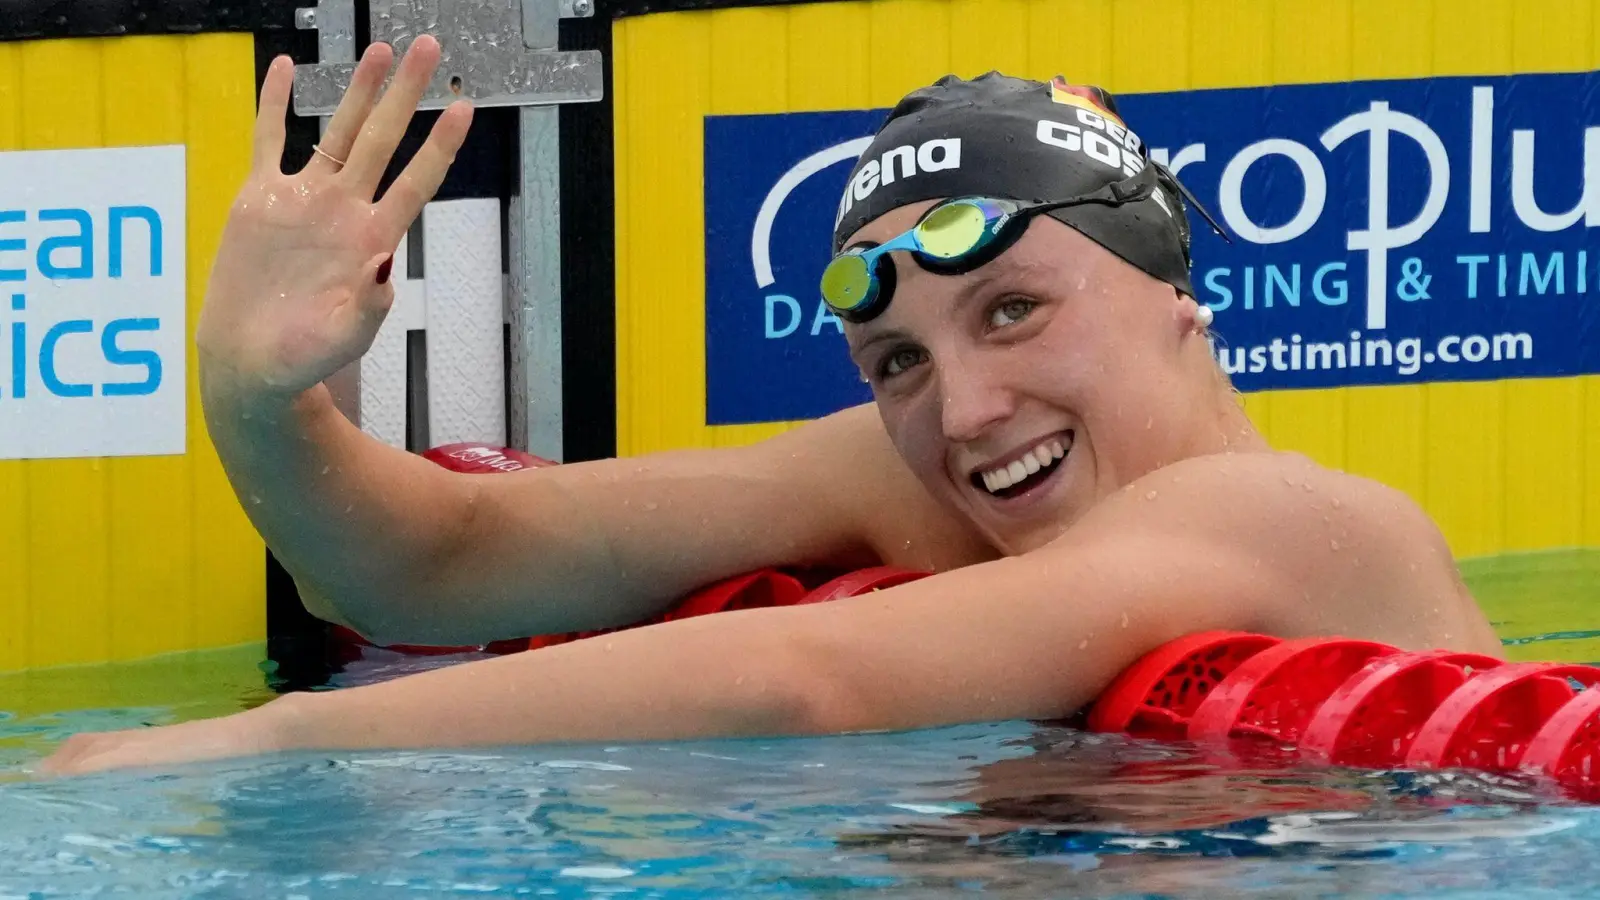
<point>1122,815</point>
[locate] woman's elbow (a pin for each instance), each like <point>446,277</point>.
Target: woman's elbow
<point>807,692</point>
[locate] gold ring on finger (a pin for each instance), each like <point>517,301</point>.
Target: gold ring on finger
<point>317,149</point>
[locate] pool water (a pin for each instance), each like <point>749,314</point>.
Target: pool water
<point>1007,809</point>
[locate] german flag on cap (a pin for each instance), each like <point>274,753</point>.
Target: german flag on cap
<point>1084,96</point>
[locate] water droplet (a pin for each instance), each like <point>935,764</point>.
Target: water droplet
<point>1333,544</point>
<point>1336,503</point>
<point>325,469</point>
<point>254,499</point>
<point>1124,619</point>
<point>1289,481</point>
<point>1150,496</point>
<point>1083,644</point>
<point>608,646</point>
<point>650,507</point>
<point>1307,486</point>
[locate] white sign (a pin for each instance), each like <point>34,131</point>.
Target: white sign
<point>93,285</point>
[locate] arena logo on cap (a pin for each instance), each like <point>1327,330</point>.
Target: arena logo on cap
<point>899,163</point>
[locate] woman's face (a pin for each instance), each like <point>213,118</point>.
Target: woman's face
<point>1024,391</point>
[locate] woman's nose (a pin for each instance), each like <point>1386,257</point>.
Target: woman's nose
<point>971,402</point>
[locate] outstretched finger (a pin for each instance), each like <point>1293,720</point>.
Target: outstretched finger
<point>376,143</point>
<point>269,132</point>
<point>405,198</point>
<point>356,106</point>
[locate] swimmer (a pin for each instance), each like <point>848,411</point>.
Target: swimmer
<point>1050,435</point>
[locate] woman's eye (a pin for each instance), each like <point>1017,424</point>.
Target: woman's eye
<point>899,361</point>
<point>1010,312</point>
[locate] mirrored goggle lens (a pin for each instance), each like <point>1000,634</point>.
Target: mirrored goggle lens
<point>846,282</point>
<point>951,231</point>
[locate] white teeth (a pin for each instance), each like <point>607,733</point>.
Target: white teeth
<point>1041,457</point>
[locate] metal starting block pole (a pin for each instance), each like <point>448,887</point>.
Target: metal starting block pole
<point>495,53</point>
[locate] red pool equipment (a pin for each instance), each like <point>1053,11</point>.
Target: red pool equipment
<point>1156,696</point>
<point>1373,718</point>
<point>475,458</point>
<point>1567,748</point>
<point>1276,692</point>
<point>1489,721</point>
<point>861,581</point>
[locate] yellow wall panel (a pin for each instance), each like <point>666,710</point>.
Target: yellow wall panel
<point>69,591</point>
<point>1543,482</point>
<point>142,83</point>
<point>14,562</point>
<point>1552,35</point>
<point>1244,28</point>
<point>1465,469</point>
<point>1395,453</point>
<point>658,146</point>
<point>127,557</point>
<point>1472,36</point>
<point>1500,465</point>
<point>1385,43</point>
<point>994,37</point>
<point>837,78</point>
<point>1071,38</point>
<point>910,46</point>
<point>1311,41</point>
<point>228,598</point>
<point>1145,58</point>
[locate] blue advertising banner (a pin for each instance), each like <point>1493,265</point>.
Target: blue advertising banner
<point>1383,232</point>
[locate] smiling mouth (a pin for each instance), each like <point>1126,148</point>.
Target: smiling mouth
<point>1027,471</point>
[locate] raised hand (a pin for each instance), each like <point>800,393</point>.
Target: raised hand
<point>301,280</point>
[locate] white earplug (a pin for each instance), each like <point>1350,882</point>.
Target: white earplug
<point>1203,316</point>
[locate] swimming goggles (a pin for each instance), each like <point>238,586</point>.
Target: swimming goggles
<point>954,237</point>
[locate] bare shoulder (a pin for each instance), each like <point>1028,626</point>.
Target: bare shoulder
<point>1346,554</point>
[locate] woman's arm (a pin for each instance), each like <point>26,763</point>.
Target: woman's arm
<point>1249,543</point>
<point>1031,637</point>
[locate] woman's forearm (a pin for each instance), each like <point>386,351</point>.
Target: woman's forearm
<point>683,679</point>
<point>345,514</point>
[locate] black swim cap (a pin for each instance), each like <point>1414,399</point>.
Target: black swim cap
<point>1026,141</point>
